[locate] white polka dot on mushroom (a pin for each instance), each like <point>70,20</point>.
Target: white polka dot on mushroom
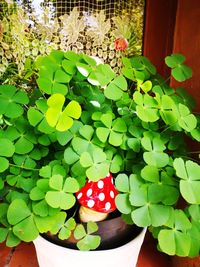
<point>112,195</point>
<point>100,184</point>
<point>107,206</point>
<point>90,203</point>
<point>89,192</point>
<point>79,195</point>
<point>112,181</point>
<point>101,196</point>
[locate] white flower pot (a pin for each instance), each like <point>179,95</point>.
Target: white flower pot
<point>51,255</point>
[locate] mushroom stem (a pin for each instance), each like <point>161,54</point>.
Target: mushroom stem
<point>87,215</point>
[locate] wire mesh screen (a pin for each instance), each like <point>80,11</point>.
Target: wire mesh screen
<point>104,28</point>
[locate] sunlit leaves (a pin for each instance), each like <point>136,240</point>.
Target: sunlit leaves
<point>61,119</point>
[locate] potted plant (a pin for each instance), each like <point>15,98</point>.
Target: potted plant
<point>85,141</point>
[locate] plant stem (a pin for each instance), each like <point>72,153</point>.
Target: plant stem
<point>21,167</point>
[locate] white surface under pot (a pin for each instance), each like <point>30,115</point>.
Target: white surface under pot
<point>52,255</point>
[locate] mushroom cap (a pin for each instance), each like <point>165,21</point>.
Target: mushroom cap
<point>98,196</point>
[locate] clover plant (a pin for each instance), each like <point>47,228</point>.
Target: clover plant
<point>84,121</point>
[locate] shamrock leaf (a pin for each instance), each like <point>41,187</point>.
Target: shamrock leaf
<point>180,71</point>
<point>7,149</point>
<point>87,241</point>
<point>96,164</point>
<point>189,172</point>
<point>12,101</point>
<point>146,108</point>
<point>22,220</point>
<point>175,239</point>
<point>52,77</point>
<point>62,120</point>
<point>115,89</point>
<point>113,130</point>
<point>155,155</point>
<point>62,194</point>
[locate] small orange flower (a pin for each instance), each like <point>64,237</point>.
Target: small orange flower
<point>121,44</point>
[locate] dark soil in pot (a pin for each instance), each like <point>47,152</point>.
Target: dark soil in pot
<point>114,233</point>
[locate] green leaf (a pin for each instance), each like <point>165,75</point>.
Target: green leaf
<point>86,131</point>
<point>121,82</point>
<point>26,230</point>
<point>174,242</point>
<point>70,224</point>
<point>7,148</point>
<point>113,92</point>
<point>92,227</point>
<point>187,121</point>
<point>64,233</point>
<point>70,156</point>
<point>56,182</point>
<point>122,183</point>
<point>44,224</point>
<point>34,116</point>
<point>23,146</point>
<point>174,60</point>
<point>190,184</point>
<point>89,242</point>
<point>41,208</point>
<point>102,133</point>
<point>4,164</point>
<point>84,69</point>
<point>141,216</point>
<point>79,232</point>
<point>97,171</point>
<point>115,138</point>
<point>60,200</point>
<point>146,86</point>
<point>16,215</point>
<point>147,107</point>
<point>86,160</point>
<point>123,203</point>
<point>62,120</point>
<point>3,234</point>
<point>150,173</point>
<point>71,185</point>
<point>180,71</point>
<point>12,240</point>
<point>36,194</point>
<point>45,171</point>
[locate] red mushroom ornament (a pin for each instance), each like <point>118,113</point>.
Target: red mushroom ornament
<point>97,199</point>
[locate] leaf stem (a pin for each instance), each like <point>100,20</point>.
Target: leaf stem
<point>25,168</point>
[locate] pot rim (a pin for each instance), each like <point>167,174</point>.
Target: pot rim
<point>141,235</point>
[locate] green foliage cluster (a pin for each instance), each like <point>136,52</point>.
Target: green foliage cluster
<point>84,120</point>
